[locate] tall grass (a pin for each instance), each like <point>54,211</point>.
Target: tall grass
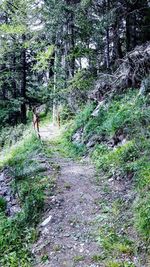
<point>29,182</point>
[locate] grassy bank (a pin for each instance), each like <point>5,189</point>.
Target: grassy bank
<point>121,153</point>
<point>24,161</point>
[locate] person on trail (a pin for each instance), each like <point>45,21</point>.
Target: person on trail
<point>36,121</point>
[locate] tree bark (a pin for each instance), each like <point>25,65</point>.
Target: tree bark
<point>23,85</point>
<point>54,90</point>
<point>14,77</point>
<point>107,37</point>
<point>72,63</point>
<point>14,85</point>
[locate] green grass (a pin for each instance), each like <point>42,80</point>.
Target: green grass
<point>131,116</point>
<point>64,146</point>
<point>3,204</point>
<point>10,135</point>
<point>23,161</point>
<point>98,258</point>
<point>126,112</point>
<point>79,258</point>
<point>119,264</point>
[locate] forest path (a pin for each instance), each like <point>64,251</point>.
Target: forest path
<point>67,232</point>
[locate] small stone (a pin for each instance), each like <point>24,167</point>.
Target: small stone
<point>81,250</point>
<point>44,223</point>
<point>67,235</point>
<point>3,191</point>
<point>69,247</point>
<point>13,202</point>
<point>2,177</point>
<point>45,231</point>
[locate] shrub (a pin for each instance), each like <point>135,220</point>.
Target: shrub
<point>3,204</point>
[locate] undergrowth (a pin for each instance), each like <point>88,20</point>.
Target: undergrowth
<point>10,135</point>
<point>29,181</point>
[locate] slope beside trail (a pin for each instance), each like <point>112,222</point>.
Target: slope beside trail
<point>67,227</point>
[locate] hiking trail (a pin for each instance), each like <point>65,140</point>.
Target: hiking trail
<point>67,227</point>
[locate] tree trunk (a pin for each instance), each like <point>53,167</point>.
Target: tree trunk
<point>107,49</point>
<point>128,36</point>
<point>72,63</point>
<point>14,77</point>
<point>107,37</point>
<point>17,114</point>
<point>23,85</point>
<point>54,90</point>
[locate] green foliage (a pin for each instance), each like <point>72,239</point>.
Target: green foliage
<point>9,111</point>
<point>111,241</point>
<point>98,258</point>
<point>66,148</point>
<point>132,157</point>
<point>118,162</point>
<point>78,87</point>
<point>142,214</point>
<point>3,204</point>
<point>14,240</point>
<point>66,114</point>
<point>45,258</point>
<point>10,135</point>
<point>11,29</point>
<point>119,264</point>
<point>83,117</point>
<point>78,258</point>
<point>81,81</point>
<point>29,183</point>
<point>43,58</point>
<point>127,115</point>
<point>107,158</point>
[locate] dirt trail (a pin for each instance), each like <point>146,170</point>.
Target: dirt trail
<point>66,234</point>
